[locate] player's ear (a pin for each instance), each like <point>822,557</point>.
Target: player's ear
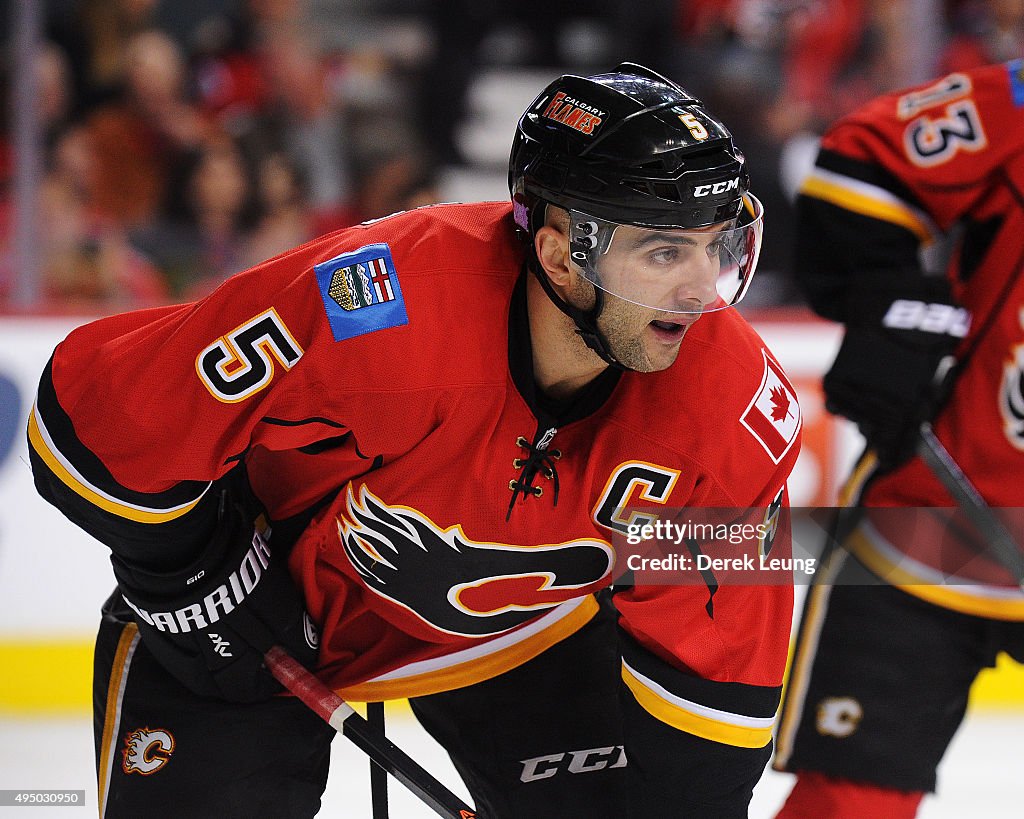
<point>552,245</point>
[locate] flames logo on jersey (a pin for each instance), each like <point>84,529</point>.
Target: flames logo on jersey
<point>146,751</point>
<point>1011,395</point>
<point>458,585</point>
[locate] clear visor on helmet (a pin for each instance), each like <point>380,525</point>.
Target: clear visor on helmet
<point>672,270</point>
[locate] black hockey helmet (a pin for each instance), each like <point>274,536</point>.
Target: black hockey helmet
<point>631,147</point>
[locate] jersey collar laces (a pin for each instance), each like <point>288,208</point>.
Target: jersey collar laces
<point>540,459</point>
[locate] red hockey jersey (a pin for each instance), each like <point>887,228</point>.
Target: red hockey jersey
<point>940,167</point>
<point>382,375</point>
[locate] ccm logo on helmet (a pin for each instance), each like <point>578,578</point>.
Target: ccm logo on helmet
<point>217,603</point>
<point>718,187</point>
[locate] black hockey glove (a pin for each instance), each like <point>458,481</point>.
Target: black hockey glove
<point>210,623</point>
<point>898,331</point>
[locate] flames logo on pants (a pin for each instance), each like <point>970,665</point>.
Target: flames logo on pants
<point>146,751</point>
<point>1011,395</point>
<point>457,585</point>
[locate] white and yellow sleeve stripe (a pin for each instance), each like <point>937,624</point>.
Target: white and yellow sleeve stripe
<point>869,200</point>
<point>43,445</point>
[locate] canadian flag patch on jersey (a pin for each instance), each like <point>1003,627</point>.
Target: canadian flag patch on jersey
<point>773,415</point>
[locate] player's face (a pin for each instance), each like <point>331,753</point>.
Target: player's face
<point>667,270</point>
<point>676,269</point>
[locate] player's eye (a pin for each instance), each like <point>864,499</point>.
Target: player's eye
<point>664,255</point>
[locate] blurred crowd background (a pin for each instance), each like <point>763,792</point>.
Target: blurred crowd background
<point>151,148</point>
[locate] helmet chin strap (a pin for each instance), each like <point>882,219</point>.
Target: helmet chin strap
<point>585,320</point>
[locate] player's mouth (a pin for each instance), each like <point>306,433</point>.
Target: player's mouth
<point>671,332</point>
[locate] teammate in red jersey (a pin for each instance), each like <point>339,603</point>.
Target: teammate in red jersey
<point>882,670</point>
<point>448,431</point>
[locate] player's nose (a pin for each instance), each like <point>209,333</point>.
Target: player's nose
<point>689,307</point>
<point>695,292</point>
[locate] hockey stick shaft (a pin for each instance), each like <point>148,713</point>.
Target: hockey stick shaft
<point>1002,544</point>
<point>378,777</point>
<point>341,716</point>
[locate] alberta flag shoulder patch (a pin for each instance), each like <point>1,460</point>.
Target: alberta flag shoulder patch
<point>1016,69</point>
<point>361,292</point>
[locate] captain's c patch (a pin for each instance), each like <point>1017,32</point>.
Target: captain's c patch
<point>361,292</point>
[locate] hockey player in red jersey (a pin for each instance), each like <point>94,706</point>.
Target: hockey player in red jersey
<point>915,605</point>
<point>407,451</point>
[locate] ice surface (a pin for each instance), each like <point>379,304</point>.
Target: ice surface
<point>980,776</point>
